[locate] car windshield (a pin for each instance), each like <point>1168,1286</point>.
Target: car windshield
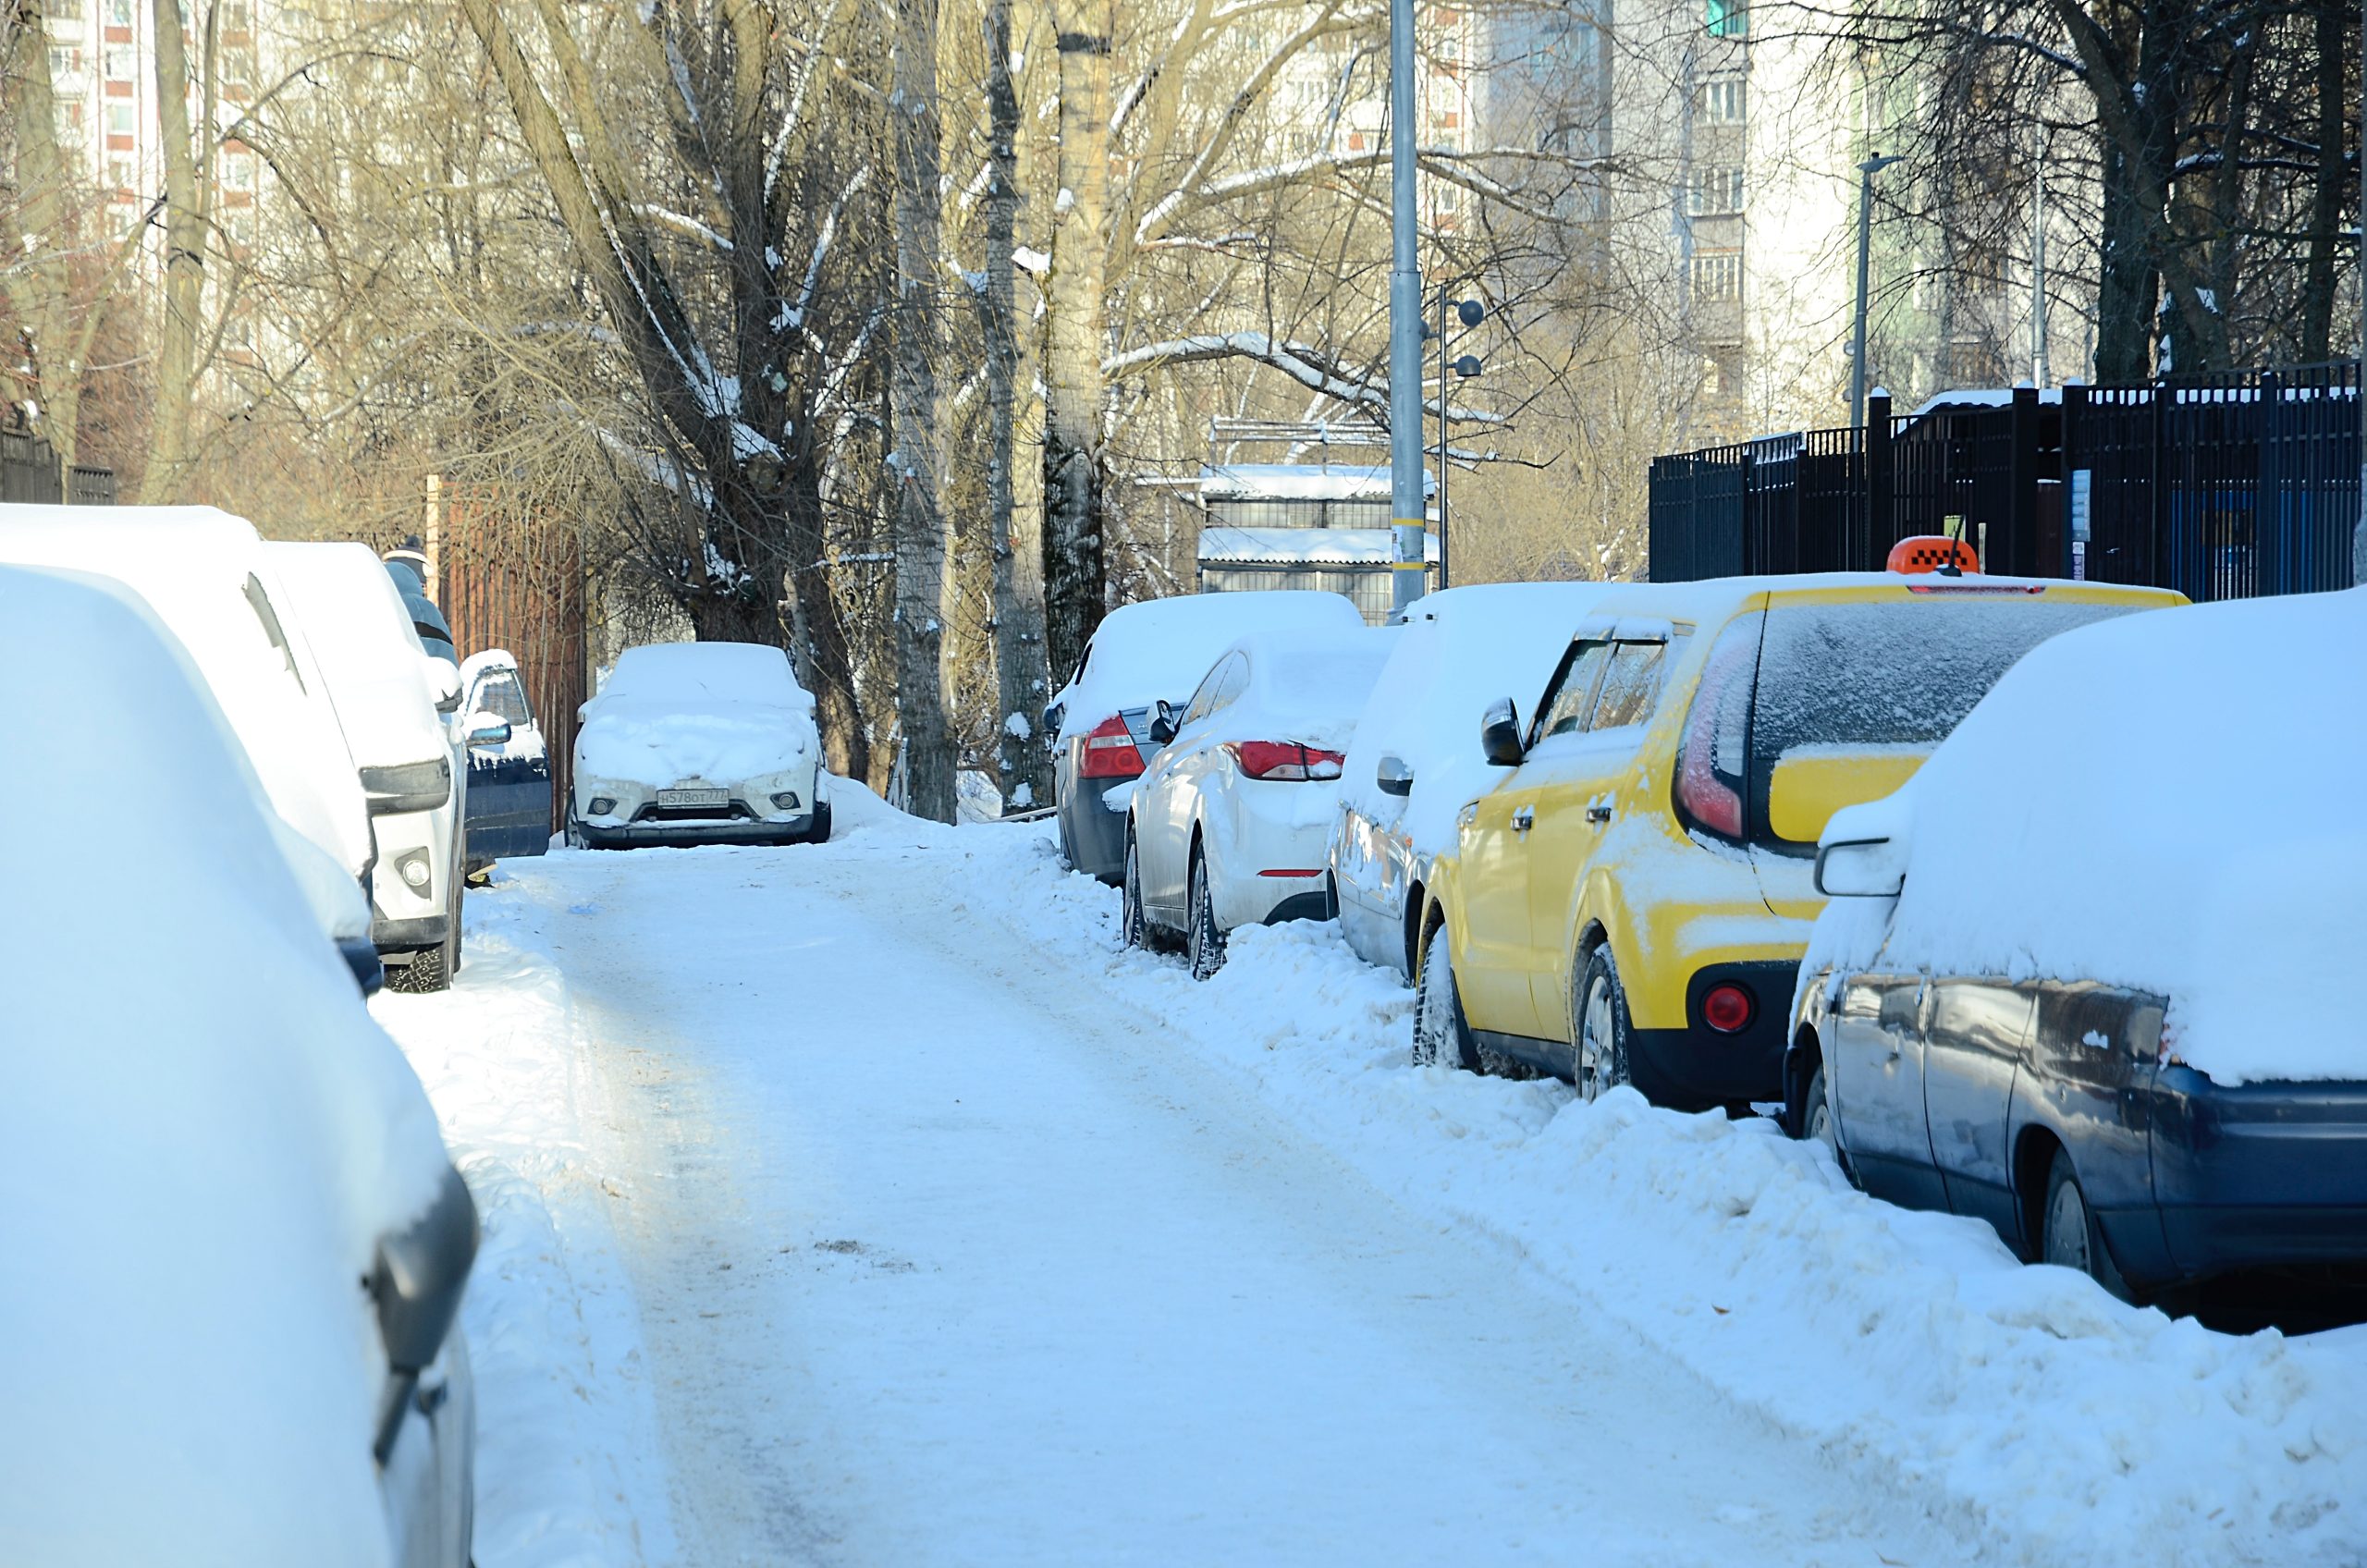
<point>500,695</point>
<point>1886,675</point>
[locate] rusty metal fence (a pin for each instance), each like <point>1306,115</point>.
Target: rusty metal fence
<point>506,582</point>
<point>2225,488</point>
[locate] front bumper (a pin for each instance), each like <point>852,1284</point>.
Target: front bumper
<point>691,833</point>
<point>414,935</point>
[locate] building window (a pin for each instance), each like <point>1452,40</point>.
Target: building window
<point>1713,191</point>
<point>122,118</point>
<point>123,62</point>
<point>1728,18</point>
<point>119,173</point>
<point>1722,101</point>
<point>122,12</point>
<point>1717,276</point>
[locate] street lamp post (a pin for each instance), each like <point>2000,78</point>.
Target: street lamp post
<point>1470,312</point>
<point>1866,172</point>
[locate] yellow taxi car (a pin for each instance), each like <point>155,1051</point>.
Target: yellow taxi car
<point>1630,904</point>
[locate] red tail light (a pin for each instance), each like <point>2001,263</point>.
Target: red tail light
<point>1710,757</point>
<point>1727,1008</point>
<point>1283,759</point>
<point>1109,752</point>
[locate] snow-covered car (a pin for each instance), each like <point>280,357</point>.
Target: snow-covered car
<point>391,697</point>
<point>1141,655</point>
<point>1416,759</point>
<point>2088,974</point>
<point>509,784</point>
<point>236,1245</point>
<point>205,575</point>
<point>699,743</point>
<point>1228,826</point>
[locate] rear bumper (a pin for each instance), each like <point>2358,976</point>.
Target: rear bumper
<point>2259,1175</point>
<point>1695,1067</point>
<point>689,835</point>
<point>1094,835</point>
<point>1315,905</point>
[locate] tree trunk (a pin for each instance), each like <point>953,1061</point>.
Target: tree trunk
<point>1022,763</point>
<point>40,289</point>
<point>184,260</point>
<point>819,641</point>
<point>917,467</point>
<point>2332,184</point>
<point>1072,342</point>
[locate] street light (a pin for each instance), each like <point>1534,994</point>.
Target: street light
<point>1470,312</point>
<point>1866,172</point>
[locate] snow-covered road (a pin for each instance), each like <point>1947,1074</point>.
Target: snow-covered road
<point>860,1206</point>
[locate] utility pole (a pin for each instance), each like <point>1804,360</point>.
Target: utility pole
<point>1866,172</point>
<point>2040,371</point>
<point>1407,567</point>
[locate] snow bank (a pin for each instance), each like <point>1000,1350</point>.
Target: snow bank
<point>2157,801</point>
<point>202,1133</point>
<point>1465,648</point>
<point>2079,1428</point>
<point>718,711</point>
<point>568,1474</point>
<point>1159,648</point>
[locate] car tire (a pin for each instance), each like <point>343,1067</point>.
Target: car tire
<point>574,831</point>
<point>1134,926</point>
<point>1203,943</point>
<point>1442,1034</point>
<point>1818,1126</point>
<point>820,832</point>
<point>1599,1024</point>
<point>2068,1234</point>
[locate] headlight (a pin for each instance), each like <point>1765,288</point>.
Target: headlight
<point>602,806</point>
<point>785,800</point>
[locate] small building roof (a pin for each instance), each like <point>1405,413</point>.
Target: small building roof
<point>1301,482</point>
<point>1304,546</point>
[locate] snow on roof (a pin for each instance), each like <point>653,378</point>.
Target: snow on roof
<point>725,712</point>
<point>1301,482</point>
<point>707,673</point>
<point>195,1097</point>
<point>1305,546</point>
<point>1159,648</point>
<point>2153,802</point>
<point>362,633</point>
<point>1306,686</point>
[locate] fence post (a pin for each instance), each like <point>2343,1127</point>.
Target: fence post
<point>2271,519</point>
<point>2021,501</point>
<point>1879,526</point>
<point>2074,513</point>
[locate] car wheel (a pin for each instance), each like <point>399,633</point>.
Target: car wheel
<point>574,831</point>
<point>2068,1234</point>
<point>1601,1016</point>
<point>1203,943</point>
<point>1817,1125</point>
<point>1442,1034</point>
<point>820,832</point>
<point>1132,930</point>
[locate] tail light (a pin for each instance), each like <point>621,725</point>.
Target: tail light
<point>1109,752</point>
<point>1727,1008</point>
<point>1710,756</point>
<point>1283,759</point>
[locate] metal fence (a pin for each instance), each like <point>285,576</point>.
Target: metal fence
<point>2223,487</point>
<point>30,471</point>
<point>507,583</point>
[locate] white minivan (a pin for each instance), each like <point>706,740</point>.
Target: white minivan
<point>393,697</point>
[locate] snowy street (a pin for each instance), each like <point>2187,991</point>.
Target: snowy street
<point>863,1204</point>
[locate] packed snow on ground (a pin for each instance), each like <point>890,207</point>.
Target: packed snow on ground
<point>718,711</point>
<point>2022,1405</point>
<point>1159,649</point>
<point>2178,825</point>
<point>202,1133</point>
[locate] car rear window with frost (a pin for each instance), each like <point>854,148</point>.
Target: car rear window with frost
<point>1879,675</point>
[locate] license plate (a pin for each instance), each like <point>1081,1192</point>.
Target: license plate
<point>694,797</point>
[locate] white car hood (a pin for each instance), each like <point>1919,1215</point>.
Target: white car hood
<point>654,744</point>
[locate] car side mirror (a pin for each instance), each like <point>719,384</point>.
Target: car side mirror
<point>1163,728</point>
<point>443,680</point>
<point>1499,734</point>
<point>415,1283</point>
<point>1393,777</point>
<point>1862,868</point>
<point>486,729</point>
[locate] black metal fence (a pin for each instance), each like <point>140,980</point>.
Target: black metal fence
<point>2221,489</point>
<point>30,471</point>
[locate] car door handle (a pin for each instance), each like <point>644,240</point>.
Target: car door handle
<point>1523,819</point>
<point>1598,812</point>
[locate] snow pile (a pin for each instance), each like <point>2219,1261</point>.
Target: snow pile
<point>2154,802</point>
<point>378,673</point>
<point>201,1134</point>
<point>205,574</point>
<point>1465,648</point>
<point>1159,648</point>
<point>718,711</point>
<point>1914,1343</point>
<point>567,1473</point>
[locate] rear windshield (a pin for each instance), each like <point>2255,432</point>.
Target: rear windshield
<point>1872,676</point>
